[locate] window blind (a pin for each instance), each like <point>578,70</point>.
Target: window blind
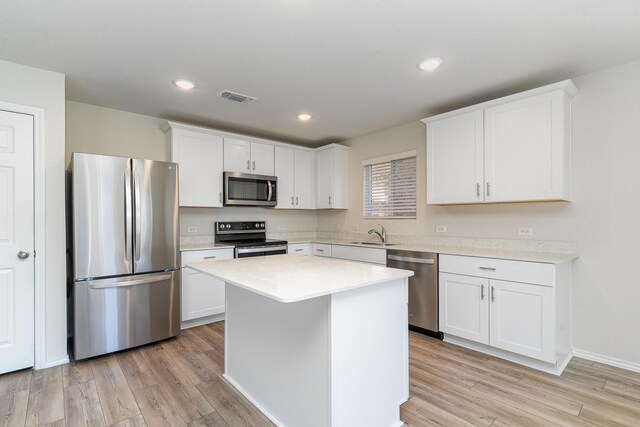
<point>390,187</point>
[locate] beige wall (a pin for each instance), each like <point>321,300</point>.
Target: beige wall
<point>93,129</point>
<point>39,88</point>
<point>603,218</point>
<point>99,130</point>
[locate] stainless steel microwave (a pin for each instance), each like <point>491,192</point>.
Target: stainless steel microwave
<point>243,189</point>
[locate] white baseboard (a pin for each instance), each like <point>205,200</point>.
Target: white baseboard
<point>254,401</point>
<point>52,363</point>
<point>202,321</point>
<point>612,361</point>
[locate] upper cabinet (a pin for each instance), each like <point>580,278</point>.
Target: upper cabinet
<point>332,175</point>
<point>248,157</point>
<point>295,169</point>
<point>512,149</point>
<point>199,156</point>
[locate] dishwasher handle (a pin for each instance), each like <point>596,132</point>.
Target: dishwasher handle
<point>411,259</point>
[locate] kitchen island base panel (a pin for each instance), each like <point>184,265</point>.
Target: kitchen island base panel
<point>311,362</point>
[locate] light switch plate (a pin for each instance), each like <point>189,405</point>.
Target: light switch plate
<point>441,228</point>
<point>280,227</point>
<point>355,227</point>
<point>192,229</point>
<point>525,231</point>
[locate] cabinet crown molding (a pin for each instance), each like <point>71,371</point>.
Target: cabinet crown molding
<point>567,85</point>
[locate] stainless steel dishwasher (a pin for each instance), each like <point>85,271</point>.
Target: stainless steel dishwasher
<point>423,288</point>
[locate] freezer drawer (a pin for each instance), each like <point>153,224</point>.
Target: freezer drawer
<point>119,313</point>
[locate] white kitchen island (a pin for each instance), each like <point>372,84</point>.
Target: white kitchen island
<point>313,341</point>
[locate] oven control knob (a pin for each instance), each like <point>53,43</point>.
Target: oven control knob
<point>257,225</point>
<point>228,226</point>
<point>220,226</point>
<point>262,225</point>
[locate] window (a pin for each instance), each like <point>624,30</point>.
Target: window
<point>389,185</point>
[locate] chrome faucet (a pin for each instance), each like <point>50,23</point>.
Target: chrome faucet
<point>382,235</point>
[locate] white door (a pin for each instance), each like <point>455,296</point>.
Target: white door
<point>524,149</point>
<point>454,159</point>
<point>464,307</point>
<point>304,179</point>
<point>284,168</point>
<point>16,242</point>
<point>237,155</point>
<point>324,178</point>
<point>200,168</point>
<point>262,159</point>
<point>522,319</point>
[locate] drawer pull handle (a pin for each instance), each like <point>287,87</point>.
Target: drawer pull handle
<point>488,268</point>
<point>299,250</point>
<point>210,257</point>
<point>319,250</point>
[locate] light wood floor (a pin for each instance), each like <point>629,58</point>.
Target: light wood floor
<point>178,382</point>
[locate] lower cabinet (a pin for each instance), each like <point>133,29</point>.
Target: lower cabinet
<point>527,319</point>
<point>202,295</point>
<point>321,249</point>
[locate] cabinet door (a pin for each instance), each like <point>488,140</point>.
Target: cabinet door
<point>262,158</point>
<point>237,155</point>
<point>464,307</point>
<point>200,168</point>
<point>340,194</point>
<point>522,319</point>
<point>524,149</point>
<point>284,170</point>
<point>455,159</point>
<point>304,179</point>
<point>202,295</point>
<point>324,178</point>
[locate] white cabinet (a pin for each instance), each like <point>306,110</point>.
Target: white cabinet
<point>455,159</point>
<point>300,248</point>
<point>199,156</point>
<point>360,254</point>
<point>296,178</point>
<point>321,249</point>
<point>511,149</point>
<point>248,156</point>
<point>464,307</point>
<point>511,308</point>
<point>332,174</point>
<point>202,295</point>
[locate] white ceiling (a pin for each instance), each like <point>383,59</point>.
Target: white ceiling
<point>350,63</point>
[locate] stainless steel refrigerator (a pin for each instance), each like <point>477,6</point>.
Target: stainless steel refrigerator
<point>124,249</point>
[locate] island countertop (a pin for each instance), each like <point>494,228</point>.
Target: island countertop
<point>293,278</point>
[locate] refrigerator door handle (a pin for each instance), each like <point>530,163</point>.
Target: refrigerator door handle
<point>114,283</point>
<point>127,214</point>
<point>137,226</point>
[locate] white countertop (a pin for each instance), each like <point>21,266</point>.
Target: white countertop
<point>544,257</point>
<point>203,246</point>
<point>292,278</point>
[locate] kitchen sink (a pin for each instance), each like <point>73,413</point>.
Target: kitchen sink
<point>379,244</point>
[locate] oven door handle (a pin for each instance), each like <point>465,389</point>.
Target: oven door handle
<point>255,249</point>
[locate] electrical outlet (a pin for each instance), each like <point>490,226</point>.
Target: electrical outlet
<point>525,231</point>
<point>355,227</point>
<point>192,229</point>
<point>339,227</point>
<point>280,227</point>
<point>441,228</point>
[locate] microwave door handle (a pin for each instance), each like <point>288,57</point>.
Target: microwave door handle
<point>270,191</point>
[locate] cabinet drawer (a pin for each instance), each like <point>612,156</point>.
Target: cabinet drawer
<point>491,268</point>
<point>300,248</point>
<point>369,255</point>
<point>322,249</point>
<point>209,254</point>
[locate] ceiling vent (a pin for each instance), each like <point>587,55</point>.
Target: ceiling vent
<point>236,97</point>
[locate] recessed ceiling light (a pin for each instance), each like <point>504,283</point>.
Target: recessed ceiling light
<point>184,84</point>
<point>430,64</point>
<point>304,117</point>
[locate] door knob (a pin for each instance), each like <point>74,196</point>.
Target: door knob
<point>23,254</point>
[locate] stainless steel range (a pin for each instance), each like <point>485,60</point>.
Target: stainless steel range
<point>249,238</point>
